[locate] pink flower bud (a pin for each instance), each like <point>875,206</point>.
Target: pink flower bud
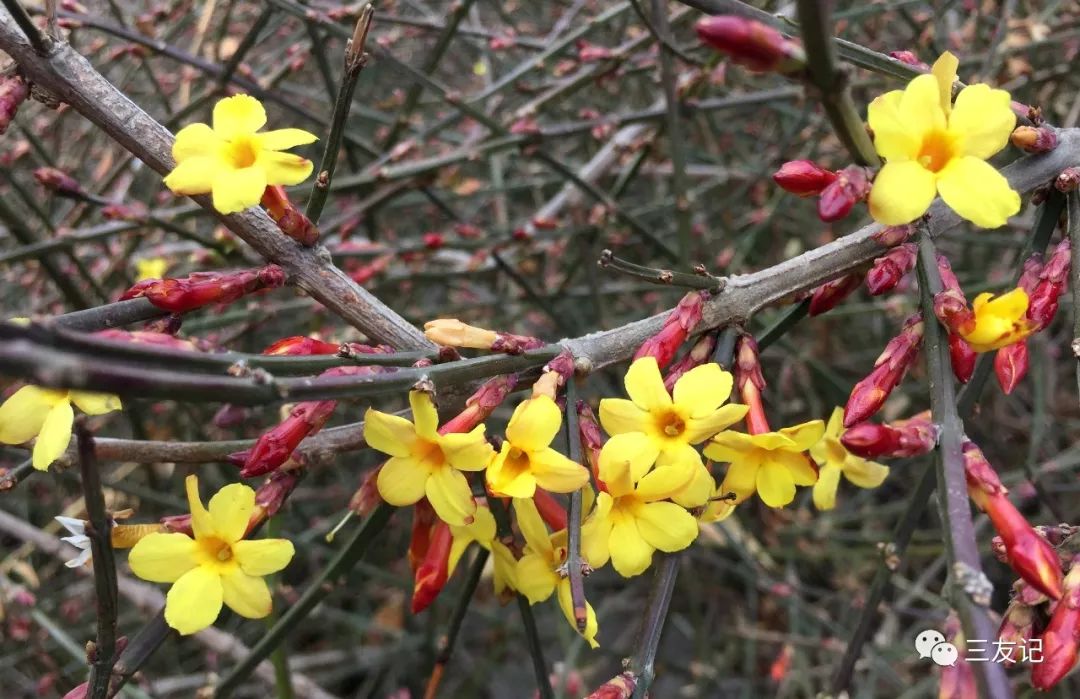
<point>829,295</point>
<point>698,355</point>
<point>912,437</point>
<point>289,219</point>
<point>1067,181</point>
<point>1011,365</point>
<point>803,177</point>
<point>962,357</point>
<point>890,268</point>
<point>1032,139</point>
<point>59,182</point>
<point>1061,639</point>
<point>910,59</point>
<point>13,92</point>
<point>677,326</point>
<point>300,345</point>
<point>205,288</point>
<point>850,187</point>
<point>870,394</point>
<point>751,44</point>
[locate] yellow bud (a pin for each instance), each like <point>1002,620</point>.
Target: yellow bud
<point>451,332</point>
<point>124,536</point>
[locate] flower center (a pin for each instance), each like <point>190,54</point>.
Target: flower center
<point>517,463</point>
<point>217,549</point>
<point>241,152</point>
<point>938,148</point>
<point>671,424</point>
<point>431,454</point>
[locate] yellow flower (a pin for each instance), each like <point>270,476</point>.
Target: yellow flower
<point>932,147</point>
<point>217,566</point>
<point>151,268</point>
<point>673,423</point>
<point>47,413</point>
<point>527,460</point>
<point>835,459</point>
<point>482,531</point>
<point>425,463</point>
<point>632,518</point>
<point>232,160</point>
<point>999,321</point>
<point>772,463</point>
<point>540,570</point>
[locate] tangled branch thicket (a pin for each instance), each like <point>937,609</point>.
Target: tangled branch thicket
<point>234,370</point>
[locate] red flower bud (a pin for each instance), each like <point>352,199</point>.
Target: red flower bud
<point>80,691</point>
<point>912,437</point>
<point>1031,139</point>
<point>1061,639</point>
<point>1011,365</point>
<point>803,177</point>
<point>1017,628</point>
<point>135,211</point>
<point>592,440</point>
<point>891,236</point>
<point>851,186</point>
<point>367,498</point>
<point>618,687</point>
<point>59,182</point>
<point>698,355</point>
<point>890,268</point>
<point>677,326</point>
<point>870,394</point>
<point>963,358</point>
<point>480,405</point>
<point>910,59</point>
<point>433,241</point>
<point>433,570</point>
<point>1067,181</point>
<point>13,92</point>
<point>750,44</point>
<point>829,295</point>
<point>289,219</point>
<point>300,345</point>
<point>553,514</point>
<point>205,288</point>
<point>1053,279</point>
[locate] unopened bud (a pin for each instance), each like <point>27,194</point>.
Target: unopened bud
<point>891,236</point>
<point>289,219</point>
<point>1011,365</point>
<point>1061,638</point>
<point>299,345</point>
<point>803,177</point>
<point>751,44</point>
<point>1017,629</point>
<point>13,92</point>
<point>205,288</point>
<point>910,59</point>
<point>1067,181</point>
<point>1032,139</point>
<point>433,569</point>
<point>870,394</point>
<point>677,327</point>
<point>618,687</point>
<point>59,182</point>
<point>851,186</point>
<point>433,241</point>
<point>901,438</point>
<point>962,357</point>
<point>592,439</point>
<point>366,498</point>
<point>1053,279</point>
<point>829,295</point>
<point>481,404</point>
<point>698,355</point>
<point>890,268</point>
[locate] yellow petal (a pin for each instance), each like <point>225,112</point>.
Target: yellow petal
<point>534,424</point>
<point>675,471</point>
<point>556,473</point>
<point>630,553</point>
<point>24,412</point>
<point>698,491</point>
<point>194,176</point>
<point>702,390</point>
<point>202,524</point>
<point>238,115</point>
<point>835,426</point>
<point>450,496</point>
<point>698,429</point>
<point>920,107</point>
<point>666,526</point>
<point>566,603</point>
<point>982,120</point>
<point>618,415</point>
<point>402,481</point>
<point>729,447</point>
<point>775,485</point>
<point>55,435</point>
<point>944,72</point>
<point>284,169</point>
<point>246,595</point>
<point>978,192</point>
<point>901,193</point>
<point>505,576</point>
<point>230,509</point>
<point>281,139</point>
<point>535,578</point>
<point>458,546</point>
<point>893,140</point>
<point>532,527</point>
<point>865,474</point>
<point>508,476</point>
<point>467,451</point>
<point>194,601</point>
<point>482,528</point>
<point>645,386</point>
<point>390,434</point>
<point>741,476</point>
<point>596,533</point>
<point>805,435</point>
<point>236,190</point>
<point>263,556</point>
<point>624,459</point>
<point>195,141</point>
<point>425,415</point>
<point>825,488</point>
<point>162,558</point>
<point>95,403</point>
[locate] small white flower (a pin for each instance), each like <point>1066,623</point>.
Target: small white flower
<point>78,539</point>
